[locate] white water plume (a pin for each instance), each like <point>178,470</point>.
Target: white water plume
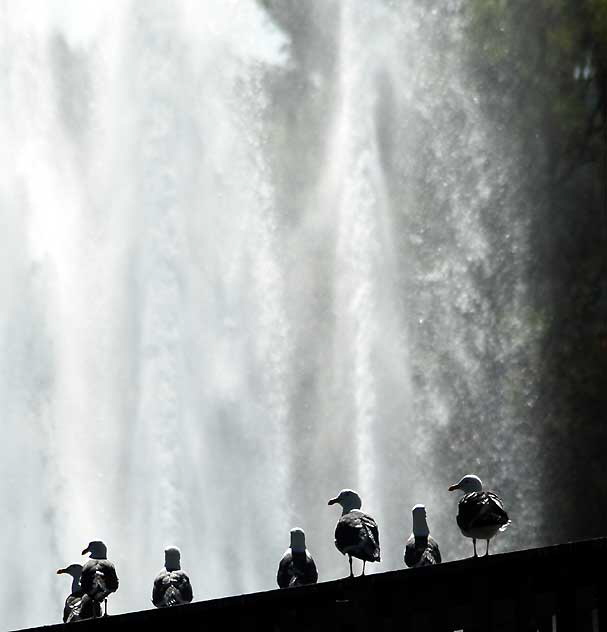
<point>243,252</point>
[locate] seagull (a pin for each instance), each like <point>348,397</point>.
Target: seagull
<point>78,606</point>
<point>480,515</point>
<point>98,578</point>
<point>296,568</point>
<point>421,548</point>
<point>172,586</point>
<point>356,533</point>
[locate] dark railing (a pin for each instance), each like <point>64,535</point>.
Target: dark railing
<point>562,588</point>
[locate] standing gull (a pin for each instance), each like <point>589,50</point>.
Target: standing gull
<point>480,515</point>
<point>172,586</point>
<point>421,548</point>
<point>356,533</point>
<point>296,568</point>
<point>78,606</point>
<point>98,578</point>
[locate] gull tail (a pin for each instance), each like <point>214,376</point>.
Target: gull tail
<point>75,610</point>
<point>99,591</point>
<point>171,597</point>
<point>427,559</point>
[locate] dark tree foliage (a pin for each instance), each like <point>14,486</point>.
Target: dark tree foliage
<point>542,67</point>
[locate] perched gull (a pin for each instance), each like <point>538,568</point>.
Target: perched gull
<point>480,515</point>
<point>421,548</point>
<point>78,606</point>
<point>172,586</point>
<point>98,578</point>
<point>296,568</point>
<point>356,533</point>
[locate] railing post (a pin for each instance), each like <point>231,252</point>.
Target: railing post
<point>440,614</point>
<point>527,620</point>
<point>504,616</point>
<point>602,599</point>
<point>565,607</point>
<point>585,601</point>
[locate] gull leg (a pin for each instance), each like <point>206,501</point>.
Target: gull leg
<point>474,545</point>
<point>351,572</point>
<point>105,604</point>
<point>487,552</point>
<point>364,562</point>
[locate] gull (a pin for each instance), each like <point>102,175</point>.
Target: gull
<point>480,514</point>
<point>421,548</point>
<point>356,533</point>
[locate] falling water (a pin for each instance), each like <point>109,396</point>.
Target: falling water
<point>248,260</point>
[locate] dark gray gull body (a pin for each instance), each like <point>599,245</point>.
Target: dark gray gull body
<point>421,548</point>
<point>172,586</point>
<point>480,514</point>
<point>296,568</point>
<point>78,606</point>
<point>356,533</point>
<point>99,578</point>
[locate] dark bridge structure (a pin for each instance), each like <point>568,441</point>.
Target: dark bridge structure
<point>561,588</point>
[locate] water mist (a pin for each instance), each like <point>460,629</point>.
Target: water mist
<point>248,255</point>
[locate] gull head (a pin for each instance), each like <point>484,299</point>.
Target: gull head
<point>75,570</point>
<point>420,525</point>
<point>348,499</point>
<point>172,558</point>
<point>97,550</point>
<point>298,540</point>
<point>469,483</point>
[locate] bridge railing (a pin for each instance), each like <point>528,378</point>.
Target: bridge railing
<point>560,588</point>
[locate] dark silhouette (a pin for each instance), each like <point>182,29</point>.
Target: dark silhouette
<point>172,586</point>
<point>296,568</point>
<point>480,515</point>
<point>421,548</point>
<point>99,577</point>
<point>78,606</point>
<point>356,533</point>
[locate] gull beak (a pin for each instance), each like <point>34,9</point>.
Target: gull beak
<point>332,501</point>
<point>85,551</point>
<point>61,571</point>
<point>452,488</point>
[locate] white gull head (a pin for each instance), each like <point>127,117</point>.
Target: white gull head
<point>470,483</point>
<point>348,499</point>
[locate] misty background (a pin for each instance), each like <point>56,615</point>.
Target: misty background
<point>254,252</point>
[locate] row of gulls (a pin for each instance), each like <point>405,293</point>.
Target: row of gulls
<point>480,516</point>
